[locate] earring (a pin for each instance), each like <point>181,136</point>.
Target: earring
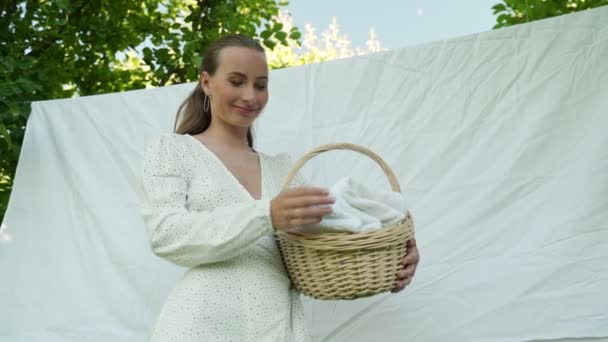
<point>206,103</point>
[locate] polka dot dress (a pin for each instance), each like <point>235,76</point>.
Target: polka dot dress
<point>199,216</point>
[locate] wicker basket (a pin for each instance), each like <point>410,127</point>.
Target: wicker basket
<point>342,265</point>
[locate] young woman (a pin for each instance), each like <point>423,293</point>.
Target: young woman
<point>212,203</point>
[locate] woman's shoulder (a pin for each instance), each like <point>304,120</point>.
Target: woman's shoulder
<point>167,146</point>
<point>168,152</point>
<point>167,140</point>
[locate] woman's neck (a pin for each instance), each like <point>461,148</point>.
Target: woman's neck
<point>230,139</point>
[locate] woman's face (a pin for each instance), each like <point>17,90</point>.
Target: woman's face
<point>238,90</point>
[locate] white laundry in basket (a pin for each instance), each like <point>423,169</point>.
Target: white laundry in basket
<point>359,208</point>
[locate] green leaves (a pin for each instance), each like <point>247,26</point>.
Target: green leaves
<point>295,34</point>
<point>266,34</point>
<point>513,12</point>
<point>278,34</point>
<point>5,135</point>
<point>281,36</point>
<point>62,4</point>
<point>499,8</point>
<point>58,48</point>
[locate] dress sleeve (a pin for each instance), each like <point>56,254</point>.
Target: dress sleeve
<point>190,238</point>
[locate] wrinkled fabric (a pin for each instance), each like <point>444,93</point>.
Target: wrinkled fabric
<point>499,143</point>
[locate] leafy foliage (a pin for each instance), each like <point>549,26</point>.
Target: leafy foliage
<point>331,44</point>
<point>513,12</point>
<point>56,49</point>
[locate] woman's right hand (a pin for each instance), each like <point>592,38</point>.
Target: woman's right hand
<point>300,206</point>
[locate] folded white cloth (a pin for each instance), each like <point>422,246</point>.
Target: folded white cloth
<point>359,208</point>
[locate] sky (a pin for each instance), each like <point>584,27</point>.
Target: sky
<point>396,23</point>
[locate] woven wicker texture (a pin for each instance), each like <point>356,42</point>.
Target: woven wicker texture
<point>342,265</point>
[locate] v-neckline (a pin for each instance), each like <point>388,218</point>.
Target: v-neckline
<point>231,175</point>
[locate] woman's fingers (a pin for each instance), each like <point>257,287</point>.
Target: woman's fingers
<point>300,206</point>
<point>406,273</point>
<point>303,221</point>
<point>304,191</point>
<point>306,201</point>
<point>401,284</point>
<point>308,212</point>
<point>410,263</point>
<point>412,256</point>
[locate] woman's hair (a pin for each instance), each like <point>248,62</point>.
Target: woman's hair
<point>194,118</point>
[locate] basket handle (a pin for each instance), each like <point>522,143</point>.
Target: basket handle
<point>344,146</point>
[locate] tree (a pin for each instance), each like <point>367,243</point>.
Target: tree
<point>513,12</point>
<point>331,45</point>
<point>61,48</point>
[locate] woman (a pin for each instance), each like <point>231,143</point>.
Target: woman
<point>212,203</point>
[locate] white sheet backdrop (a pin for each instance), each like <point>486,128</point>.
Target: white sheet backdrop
<point>499,141</point>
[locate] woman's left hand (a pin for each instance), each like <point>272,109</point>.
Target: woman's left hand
<point>410,262</point>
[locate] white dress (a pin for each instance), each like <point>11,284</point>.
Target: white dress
<point>198,215</point>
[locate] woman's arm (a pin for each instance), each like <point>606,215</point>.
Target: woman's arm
<point>190,238</point>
